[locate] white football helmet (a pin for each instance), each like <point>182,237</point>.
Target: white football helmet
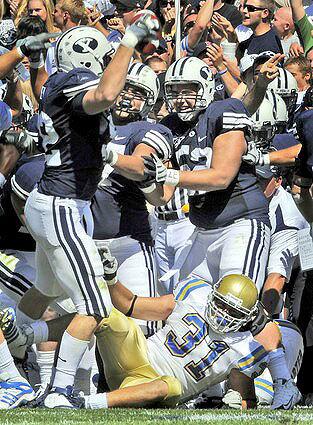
<point>83,47</point>
<point>285,85</point>
<point>280,110</point>
<point>141,83</point>
<point>264,124</point>
<point>188,71</point>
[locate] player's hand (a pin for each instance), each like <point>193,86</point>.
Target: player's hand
<point>144,29</point>
<point>269,70</point>
<point>233,399</point>
<point>110,265</point>
<point>215,53</point>
<point>21,140</point>
<point>296,50</point>
<point>109,156</point>
<point>156,170</point>
<point>35,43</point>
<point>255,156</point>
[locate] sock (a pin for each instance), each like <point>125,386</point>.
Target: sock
<point>45,360</point>
<point>277,364</point>
<point>70,354</point>
<point>96,401</point>
<point>8,370</point>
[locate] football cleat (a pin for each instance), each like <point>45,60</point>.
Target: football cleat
<point>286,394</point>
<point>14,394</point>
<point>18,338</point>
<point>64,398</point>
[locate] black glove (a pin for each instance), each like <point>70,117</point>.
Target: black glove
<point>21,140</point>
<point>110,265</point>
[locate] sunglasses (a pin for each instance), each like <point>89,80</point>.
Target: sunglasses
<point>251,8</point>
<point>164,3</point>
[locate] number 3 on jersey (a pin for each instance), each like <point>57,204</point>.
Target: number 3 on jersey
<point>49,138</point>
<point>191,339</point>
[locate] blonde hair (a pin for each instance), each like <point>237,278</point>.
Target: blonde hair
<point>76,9</point>
<point>23,11</point>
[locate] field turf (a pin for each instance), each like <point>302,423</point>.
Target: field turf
<point>154,416</point>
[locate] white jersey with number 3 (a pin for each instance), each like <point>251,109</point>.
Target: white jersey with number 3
<point>192,352</point>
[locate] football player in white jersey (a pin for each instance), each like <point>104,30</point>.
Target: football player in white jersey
<point>206,335</point>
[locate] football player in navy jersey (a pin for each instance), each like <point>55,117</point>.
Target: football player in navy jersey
<point>227,206</point>
<point>72,130</point>
<point>121,219</point>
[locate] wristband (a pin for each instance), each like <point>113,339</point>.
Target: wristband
<point>266,159</point>
<point>129,40</point>
<point>223,71</point>
<point>2,180</point>
<point>111,282</point>
<point>148,189</point>
<point>38,63</point>
<point>172,177</point>
<point>20,53</point>
<point>131,308</point>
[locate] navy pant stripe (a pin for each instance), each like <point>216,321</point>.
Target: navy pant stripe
<point>93,285</point>
<point>245,264</point>
<point>256,245</point>
<point>57,230</point>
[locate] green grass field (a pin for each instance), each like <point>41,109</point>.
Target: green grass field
<point>154,416</point>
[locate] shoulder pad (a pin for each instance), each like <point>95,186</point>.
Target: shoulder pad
<point>73,82</point>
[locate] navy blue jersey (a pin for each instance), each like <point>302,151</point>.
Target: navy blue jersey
<point>119,206</point>
<point>71,139</point>
<point>243,198</point>
<point>304,127</point>
<point>256,44</point>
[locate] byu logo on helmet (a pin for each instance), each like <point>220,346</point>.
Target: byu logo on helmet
<point>83,47</point>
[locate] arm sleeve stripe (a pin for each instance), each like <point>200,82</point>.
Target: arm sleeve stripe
<point>18,190</point>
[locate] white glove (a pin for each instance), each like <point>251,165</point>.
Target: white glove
<point>110,265</point>
<point>156,170</point>
<point>232,399</point>
<point>35,43</point>
<point>255,156</point>
<point>143,30</point>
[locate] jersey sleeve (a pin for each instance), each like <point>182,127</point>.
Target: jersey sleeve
<point>6,116</point>
<point>228,115</point>
<point>160,139</point>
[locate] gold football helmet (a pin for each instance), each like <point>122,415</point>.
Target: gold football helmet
<point>232,303</point>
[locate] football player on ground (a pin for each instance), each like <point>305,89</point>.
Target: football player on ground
<point>206,335</point>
